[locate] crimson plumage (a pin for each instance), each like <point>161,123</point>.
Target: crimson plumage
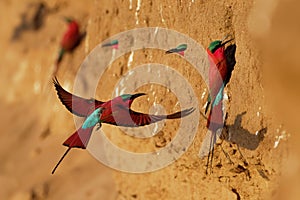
<point>71,38</point>
<point>218,72</point>
<point>221,64</point>
<point>115,112</point>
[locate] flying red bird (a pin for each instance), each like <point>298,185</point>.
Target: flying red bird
<point>115,112</point>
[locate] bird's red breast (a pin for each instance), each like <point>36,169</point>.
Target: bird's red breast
<point>115,109</point>
<point>217,70</point>
<point>71,36</point>
<point>217,75</point>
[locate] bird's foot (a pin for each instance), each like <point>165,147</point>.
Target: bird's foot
<point>98,126</point>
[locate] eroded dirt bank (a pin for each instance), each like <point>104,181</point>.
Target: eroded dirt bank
<point>34,123</point>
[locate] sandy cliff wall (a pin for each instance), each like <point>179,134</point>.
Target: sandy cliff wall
<point>34,123</point>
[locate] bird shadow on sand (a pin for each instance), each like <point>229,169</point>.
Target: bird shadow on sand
<point>236,134</point>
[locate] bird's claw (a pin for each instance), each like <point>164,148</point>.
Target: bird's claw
<point>98,126</point>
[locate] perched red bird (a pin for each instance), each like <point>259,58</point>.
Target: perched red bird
<point>70,40</point>
<point>115,112</point>
<point>219,75</point>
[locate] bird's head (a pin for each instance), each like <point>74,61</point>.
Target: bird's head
<point>179,48</point>
<point>114,42</point>
<point>213,46</point>
<point>128,98</point>
<point>99,111</point>
<point>182,47</point>
<point>68,20</point>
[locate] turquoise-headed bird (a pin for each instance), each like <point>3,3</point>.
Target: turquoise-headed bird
<point>221,66</point>
<point>114,44</point>
<point>219,75</point>
<point>179,49</point>
<point>115,112</point>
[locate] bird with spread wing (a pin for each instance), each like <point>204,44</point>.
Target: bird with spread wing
<point>116,111</point>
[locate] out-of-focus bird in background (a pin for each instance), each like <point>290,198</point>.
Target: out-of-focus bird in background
<point>179,49</point>
<point>70,40</point>
<point>114,44</point>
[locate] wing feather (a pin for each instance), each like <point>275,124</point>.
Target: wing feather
<point>75,104</point>
<point>129,118</point>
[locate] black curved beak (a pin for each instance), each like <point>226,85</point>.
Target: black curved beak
<point>225,42</point>
<point>174,50</point>
<point>134,96</point>
<point>106,45</point>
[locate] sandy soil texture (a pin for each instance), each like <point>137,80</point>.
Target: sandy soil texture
<point>261,106</point>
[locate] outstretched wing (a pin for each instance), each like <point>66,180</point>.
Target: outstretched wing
<point>123,116</point>
<point>76,105</point>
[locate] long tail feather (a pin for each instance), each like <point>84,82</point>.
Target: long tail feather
<point>181,114</point>
<point>215,118</point>
<point>60,56</point>
<point>79,139</point>
<point>61,159</point>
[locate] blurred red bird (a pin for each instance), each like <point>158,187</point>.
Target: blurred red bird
<point>70,40</point>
